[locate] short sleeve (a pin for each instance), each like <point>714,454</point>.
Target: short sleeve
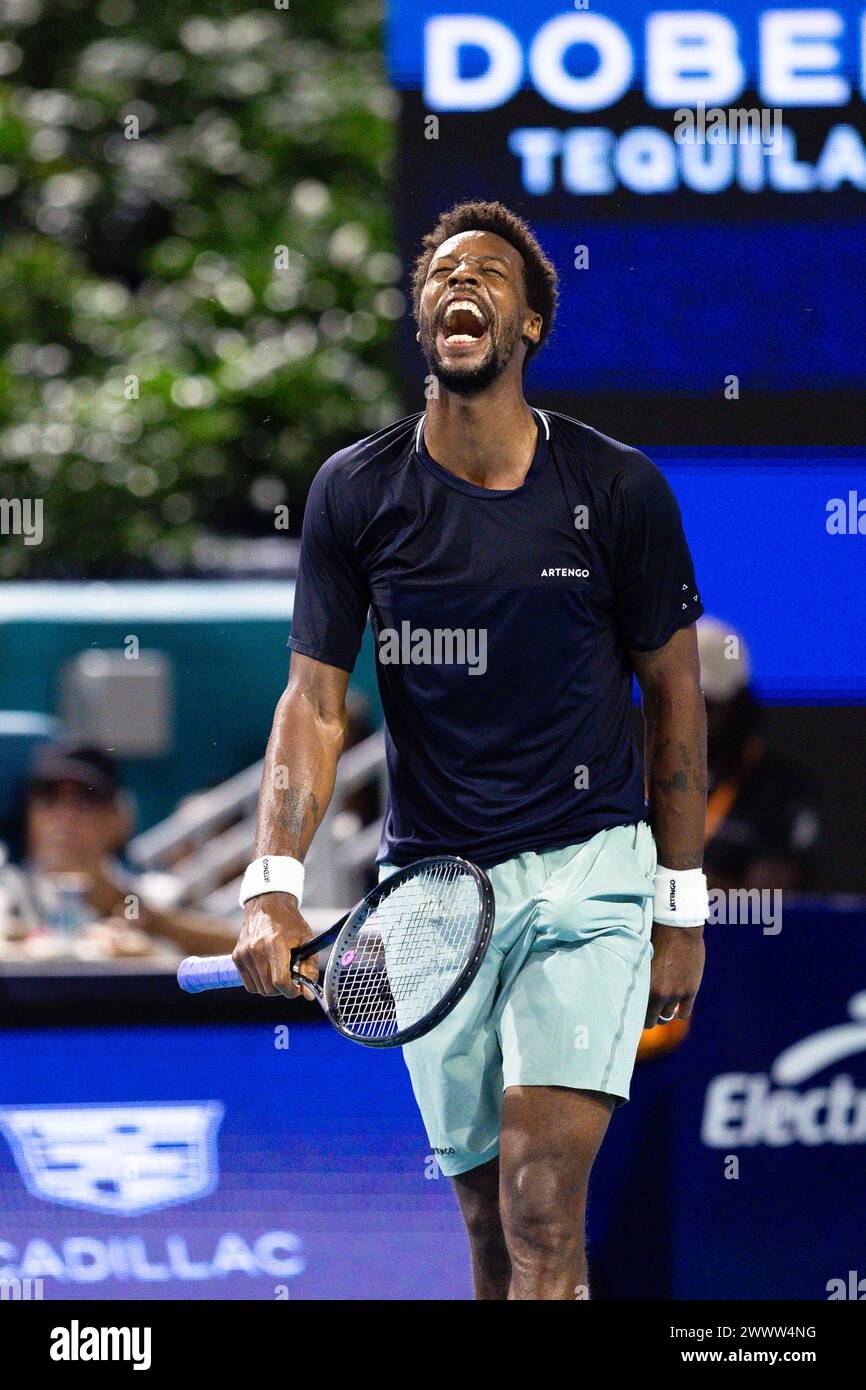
<point>331,595</point>
<point>654,578</point>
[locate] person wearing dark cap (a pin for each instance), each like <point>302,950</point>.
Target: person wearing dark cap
<point>77,820</point>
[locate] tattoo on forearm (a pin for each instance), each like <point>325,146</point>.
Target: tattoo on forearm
<point>294,807</point>
<point>687,777</point>
<point>676,770</point>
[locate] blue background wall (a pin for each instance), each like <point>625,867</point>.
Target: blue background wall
<point>321,1142</point>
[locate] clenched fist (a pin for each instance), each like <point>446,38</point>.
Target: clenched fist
<point>272,928</point>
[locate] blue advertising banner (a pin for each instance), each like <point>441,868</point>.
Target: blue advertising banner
<point>739,1172</point>
<point>255,1162</point>
<point>761,43</point>
<point>246,1162</point>
<point>697,176</point>
<point>777,537</point>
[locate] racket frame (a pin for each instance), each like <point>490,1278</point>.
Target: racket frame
<point>325,994</point>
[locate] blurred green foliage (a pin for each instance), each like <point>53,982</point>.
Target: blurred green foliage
<point>197,285</point>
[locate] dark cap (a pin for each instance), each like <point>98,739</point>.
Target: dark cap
<point>83,763</point>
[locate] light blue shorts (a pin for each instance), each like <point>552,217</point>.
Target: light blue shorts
<point>560,999</point>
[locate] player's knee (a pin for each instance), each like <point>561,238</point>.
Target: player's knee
<point>483,1223</point>
<point>542,1211</point>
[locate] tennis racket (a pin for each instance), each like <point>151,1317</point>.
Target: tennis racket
<point>398,962</point>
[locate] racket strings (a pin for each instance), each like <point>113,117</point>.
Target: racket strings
<point>401,959</point>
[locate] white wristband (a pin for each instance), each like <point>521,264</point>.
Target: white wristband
<point>681,898</point>
<point>273,873</point>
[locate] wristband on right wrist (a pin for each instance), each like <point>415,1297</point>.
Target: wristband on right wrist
<point>273,873</point>
<point>680,898</point>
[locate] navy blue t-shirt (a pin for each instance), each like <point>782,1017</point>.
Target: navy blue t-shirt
<point>503,622</point>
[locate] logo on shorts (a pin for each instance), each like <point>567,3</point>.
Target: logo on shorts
<point>443,1151</point>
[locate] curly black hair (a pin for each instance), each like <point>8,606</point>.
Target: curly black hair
<point>539,273</point>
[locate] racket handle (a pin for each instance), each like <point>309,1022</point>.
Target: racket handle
<point>198,973</point>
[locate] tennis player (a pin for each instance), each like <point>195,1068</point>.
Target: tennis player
<point>518,567</point>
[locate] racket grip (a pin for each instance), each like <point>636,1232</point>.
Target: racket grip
<point>198,973</point>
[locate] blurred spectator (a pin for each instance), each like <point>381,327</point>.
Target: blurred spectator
<point>762,823</point>
<point>71,895</point>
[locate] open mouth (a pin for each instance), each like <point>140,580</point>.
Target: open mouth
<point>463,325</point>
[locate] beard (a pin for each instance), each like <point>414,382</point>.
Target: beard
<point>471,380</point>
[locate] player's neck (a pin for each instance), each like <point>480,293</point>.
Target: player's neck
<point>488,440</point>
